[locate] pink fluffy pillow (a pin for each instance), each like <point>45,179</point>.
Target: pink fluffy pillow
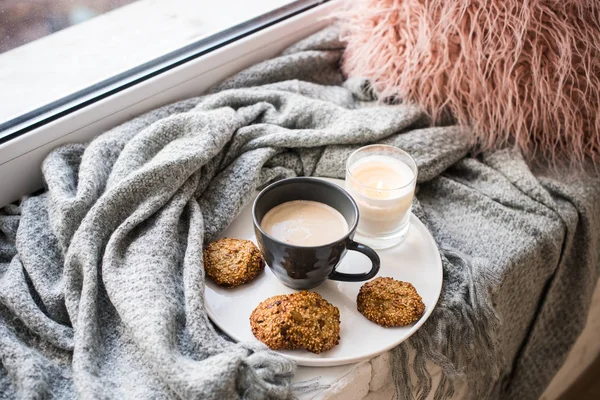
<point>517,72</point>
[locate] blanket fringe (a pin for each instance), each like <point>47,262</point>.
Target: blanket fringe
<point>455,328</point>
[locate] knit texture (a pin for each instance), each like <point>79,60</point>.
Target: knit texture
<point>101,277</point>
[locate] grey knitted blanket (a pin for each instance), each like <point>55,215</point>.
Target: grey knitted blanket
<point>101,279</point>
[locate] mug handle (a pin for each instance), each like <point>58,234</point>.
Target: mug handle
<point>363,276</point>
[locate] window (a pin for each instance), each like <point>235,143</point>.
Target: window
<point>25,21</point>
<point>59,55</point>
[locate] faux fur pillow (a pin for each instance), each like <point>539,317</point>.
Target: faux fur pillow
<point>516,71</point>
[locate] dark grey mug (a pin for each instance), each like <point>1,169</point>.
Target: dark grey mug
<point>304,267</point>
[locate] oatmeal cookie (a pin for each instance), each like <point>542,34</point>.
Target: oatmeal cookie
<point>389,302</point>
<point>267,321</point>
<point>302,320</point>
<point>232,262</point>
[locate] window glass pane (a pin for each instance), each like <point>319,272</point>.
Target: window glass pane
<point>52,49</point>
<point>25,21</point>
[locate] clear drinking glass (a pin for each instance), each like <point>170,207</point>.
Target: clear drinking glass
<point>382,179</point>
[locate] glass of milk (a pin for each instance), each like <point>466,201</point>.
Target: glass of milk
<point>382,179</point>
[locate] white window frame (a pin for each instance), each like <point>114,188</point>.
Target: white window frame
<point>21,157</point>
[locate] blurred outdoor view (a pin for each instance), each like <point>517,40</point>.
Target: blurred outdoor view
<point>23,21</point>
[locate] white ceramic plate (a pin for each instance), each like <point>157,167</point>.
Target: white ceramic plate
<point>416,260</point>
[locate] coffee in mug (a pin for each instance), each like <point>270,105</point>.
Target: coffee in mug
<point>304,223</point>
<point>304,227</point>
